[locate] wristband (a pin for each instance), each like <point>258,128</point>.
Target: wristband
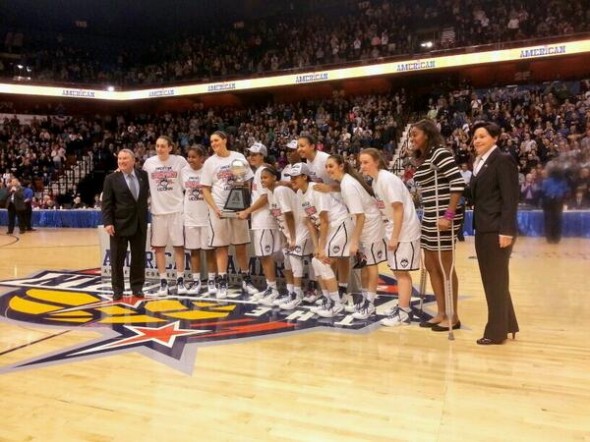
<point>449,215</point>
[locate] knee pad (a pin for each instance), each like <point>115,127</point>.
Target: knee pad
<point>324,271</point>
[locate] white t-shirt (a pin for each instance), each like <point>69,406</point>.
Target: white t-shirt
<point>217,174</point>
<point>317,167</point>
<point>196,213</point>
<point>283,200</point>
<point>388,189</point>
<point>165,184</point>
<point>261,219</point>
<point>314,203</point>
<point>358,200</point>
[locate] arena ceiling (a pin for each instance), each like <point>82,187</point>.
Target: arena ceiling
<point>135,18</point>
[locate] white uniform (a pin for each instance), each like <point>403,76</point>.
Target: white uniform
<point>165,187</point>
<point>167,199</point>
<point>266,238</point>
<point>218,176</point>
<point>389,189</point>
<point>341,226</point>
<point>196,213</point>
<point>283,200</point>
<point>359,201</point>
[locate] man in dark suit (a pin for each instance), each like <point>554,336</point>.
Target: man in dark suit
<point>16,206</point>
<point>494,191</point>
<point>124,214</point>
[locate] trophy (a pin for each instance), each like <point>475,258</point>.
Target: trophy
<point>239,194</point>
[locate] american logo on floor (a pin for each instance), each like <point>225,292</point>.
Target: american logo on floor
<point>169,330</point>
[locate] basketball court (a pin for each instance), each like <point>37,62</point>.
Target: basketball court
<point>75,366</point>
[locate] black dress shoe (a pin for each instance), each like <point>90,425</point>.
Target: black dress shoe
<point>426,324</point>
<point>488,341</point>
<point>139,295</point>
<point>117,296</point>
<point>439,328</point>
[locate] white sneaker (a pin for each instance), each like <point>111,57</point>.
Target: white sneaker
<point>349,305</point>
<point>269,298</point>
<point>194,288</point>
<point>180,288</point>
<point>397,317</point>
<point>163,290</point>
<point>321,303</point>
<point>330,311</point>
<point>257,297</point>
<point>364,310</point>
<point>311,297</point>
<point>292,303</point>
<point>211,287</point>
<point>221,289</point>
<point>282,299</point>
<point>247,286</point>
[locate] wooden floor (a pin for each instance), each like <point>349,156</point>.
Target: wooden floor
<point>406,384</point>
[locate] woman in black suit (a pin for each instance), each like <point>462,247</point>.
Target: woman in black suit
<point>494,190</point>
<point>125,214</point>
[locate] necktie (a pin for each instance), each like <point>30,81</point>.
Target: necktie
<point>133,186</point>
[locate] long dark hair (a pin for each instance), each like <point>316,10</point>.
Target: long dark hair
<point>433,136</point>
<point>352,172</point>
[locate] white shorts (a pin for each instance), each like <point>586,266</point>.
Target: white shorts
<point>303,247</point>
<point>228,231</point>
<point>167,227</point>
<point>338,243</point>
<point>374,253</point>
<point>267,242</point>
<point>406,257</point>
<point>197,238</point>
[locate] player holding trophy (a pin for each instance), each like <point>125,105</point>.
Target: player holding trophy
<point>222,175</point>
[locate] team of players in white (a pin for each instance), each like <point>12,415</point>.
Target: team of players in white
<point>319,209</point>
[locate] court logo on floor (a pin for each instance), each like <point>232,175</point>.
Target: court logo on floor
<point>169,330</point>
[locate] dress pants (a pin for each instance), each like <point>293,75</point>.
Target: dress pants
<point>493,266</point>
<point>137,266</point>
<point>12,215</point>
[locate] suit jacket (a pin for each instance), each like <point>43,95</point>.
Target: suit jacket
<point>495,194</point>
<point>19,198</point>
<point>119,207</point>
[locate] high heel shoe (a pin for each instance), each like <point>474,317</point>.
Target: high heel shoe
<point>440,328</point>
<point>488,341</point>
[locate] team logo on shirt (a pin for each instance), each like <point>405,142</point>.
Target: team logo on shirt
<point>169,330</point>
<point>194,190</point>
<point>164,178</point>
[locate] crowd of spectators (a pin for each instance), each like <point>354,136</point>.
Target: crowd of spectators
<point>350,32</point>
<point>542,125</point>
<point>546,128</point>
